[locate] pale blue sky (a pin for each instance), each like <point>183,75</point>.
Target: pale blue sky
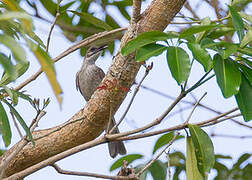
<point>146,107</point>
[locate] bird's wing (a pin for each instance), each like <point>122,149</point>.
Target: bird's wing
<point>99,74</point>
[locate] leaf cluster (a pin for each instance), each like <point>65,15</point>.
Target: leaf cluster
<point>197,163</point>
<point>230,61</point>
<point>16,28</point>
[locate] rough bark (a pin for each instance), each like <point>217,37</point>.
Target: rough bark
<point>95,114</point>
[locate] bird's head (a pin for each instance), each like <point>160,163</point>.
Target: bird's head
<point>94,52</point>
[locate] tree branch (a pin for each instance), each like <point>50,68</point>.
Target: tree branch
<point>101,140</point>
<point>96,113</point>
<point>75,173</point>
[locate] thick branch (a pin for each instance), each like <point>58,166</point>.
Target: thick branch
<point>95,115</point>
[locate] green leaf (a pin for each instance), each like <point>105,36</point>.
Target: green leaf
<point>192,171</point>
<point>241,160</point>
<point>246,50</point>
<point>179,63</point>
<point>66,6</point>
<point>222,171</point>
<point>11,15</point>
<point>129,158</point>
<point>37,39</point>
<point>148,51</point>
<point>226,49</point>
<point>124,12</point>
<point>50,6</point>
<point>221,156</point>
<point>5,126</point>
<point>8,67</point>
<point>110,21</point>
<point>20,68</point>
<point>177,159</point>
<point>164,140</point>
<point>246,16</point>
<point>138,169</point>
<point>244,99</point>
<point>16,49</point>
<point>220,32</point>
<point>158,170</point>
<point>146,38</point>
<point>20,120</point>
<point>228,76</point>
<point>14,6</point>
<point>201,55</point>
<point>238,23</point>
<point>1,152</point>
<point>204,150</point>
<point>48,67</point>
<point>177,172</point>
<point>247,172</point>
<point>247,72</point>
<point>201,35</point>
<point>23,96</point>
<point>248,62</point>
<point>196,29</point>
<point>247,38</point>
<point>12,95</point>
<point>93,20</point>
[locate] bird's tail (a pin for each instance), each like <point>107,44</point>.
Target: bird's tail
<point>115,147</point>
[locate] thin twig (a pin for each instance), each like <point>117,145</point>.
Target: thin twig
<point>177,127</point>
<point>5,161</point>
<point>230,136</point>
<point>153,160</point>
<point>221,120</point>
<point>189,8</point>
<point>35,124</point>
<point>50,32</point>
<point>189,102</point>
<point>196,104</point>
<point>16,125</point>
<point>155,122</point>
<point>66,172</point>
<point>148,68</point>
<point>168,164</point>
<point>242,124</point>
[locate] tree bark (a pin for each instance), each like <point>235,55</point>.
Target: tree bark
<point>95,114</point>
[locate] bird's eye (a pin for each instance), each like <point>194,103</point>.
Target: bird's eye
<point>93,49</point>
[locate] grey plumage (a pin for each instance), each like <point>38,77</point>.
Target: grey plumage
<point>87,80</point>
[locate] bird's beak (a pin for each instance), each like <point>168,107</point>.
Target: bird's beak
<point>102,48</point>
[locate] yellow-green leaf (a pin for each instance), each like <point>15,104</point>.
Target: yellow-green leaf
<point>5,126</point>
<point>204,150</point>
<point>48,67</point>
<point>17,50</point>
<point>93,20</point>
<point>192,171</point>
<point>247,38</point>
<point>9,68</point>
<point>20,69</point>
<point>14,6</point>
<point>238,23</point>
<point>20,120</point>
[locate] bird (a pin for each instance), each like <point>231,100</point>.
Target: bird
<point>88,79</point>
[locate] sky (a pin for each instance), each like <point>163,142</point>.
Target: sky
<point>146,107</point>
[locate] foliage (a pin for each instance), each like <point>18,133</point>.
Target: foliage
<point>180,163</point>
<point>231,61</point>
